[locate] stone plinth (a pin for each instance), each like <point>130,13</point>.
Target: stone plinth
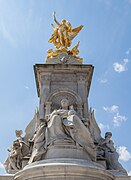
<point>64,58</point>
<point>57,81</point>
<point>64,169</point>
<point>66,151</point>
<point>7,177</point>
<point>123,178</point>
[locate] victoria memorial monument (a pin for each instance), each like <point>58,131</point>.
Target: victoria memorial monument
<point>63,141</point>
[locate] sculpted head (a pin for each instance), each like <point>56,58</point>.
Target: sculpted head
<point>63,21</point>
<point>18,133</point>
<point>108,134</point>
<point>64,103</point>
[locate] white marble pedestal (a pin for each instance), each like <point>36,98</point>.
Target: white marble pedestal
<point>64,169</point>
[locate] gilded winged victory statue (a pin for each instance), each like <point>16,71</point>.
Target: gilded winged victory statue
<point>61,38</point>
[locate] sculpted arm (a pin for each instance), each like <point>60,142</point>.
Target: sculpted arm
<point>52,114</point>
<point>104,142</point>
<point>110,146</point>
<point>54,17</point>
<point>14,154</point>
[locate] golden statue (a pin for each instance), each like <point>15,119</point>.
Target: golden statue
<point>62,36</point>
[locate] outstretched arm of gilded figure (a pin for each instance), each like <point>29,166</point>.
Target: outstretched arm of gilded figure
<point>54,17</point>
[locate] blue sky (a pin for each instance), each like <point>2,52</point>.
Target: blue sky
<point>105,42</point>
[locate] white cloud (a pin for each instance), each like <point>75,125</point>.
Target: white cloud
<point>128,51</point>
<point>103,126</point>
<point>126,60</point>
<point>1,166</point>
<point>112,109</point>
<point>129,173</point>
<point>118,119</point>
<point>120,67</point>
<point>124,154</point>
<point>26,87</point>
<point>103,81</point>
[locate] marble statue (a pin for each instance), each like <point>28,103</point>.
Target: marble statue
<point>38,139</point>
<point>15,157</point>
<point>63,126</point>
<point>108,151</point>
<point>17,152</point>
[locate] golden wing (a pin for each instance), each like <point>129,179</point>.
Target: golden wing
<point>52,38</point>
<point>74,32</point>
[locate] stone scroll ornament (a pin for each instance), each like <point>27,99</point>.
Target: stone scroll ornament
<point>62,37</point>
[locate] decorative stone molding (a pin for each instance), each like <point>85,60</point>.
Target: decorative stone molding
<point>64,169</point>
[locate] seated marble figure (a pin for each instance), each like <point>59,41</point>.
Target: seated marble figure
<point>63,126</point>
<point>108,151</point>
<point>17,152</point>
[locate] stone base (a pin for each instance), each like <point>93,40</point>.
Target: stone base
<point>123,178</point>
<point>7,177</point>
<point>64,169</point>
<point>66,151</point>
<point>64,58</point>
<point>102,162</point>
